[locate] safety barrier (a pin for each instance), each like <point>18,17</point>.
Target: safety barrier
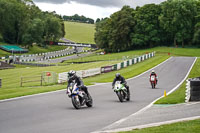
<point>43,56</point>
<point>193,89</point>
<point>63,77</point>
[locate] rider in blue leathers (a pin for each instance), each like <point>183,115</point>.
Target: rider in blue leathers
<point>74,78</point>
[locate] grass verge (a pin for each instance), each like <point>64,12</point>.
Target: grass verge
<point>178,96</point>
<point>179,127</point>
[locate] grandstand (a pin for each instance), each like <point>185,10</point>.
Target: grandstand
<point>13,49</point>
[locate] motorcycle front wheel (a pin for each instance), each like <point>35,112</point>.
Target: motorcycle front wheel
<point>120,95</point>
<point>76,102</point>
<point>153,85</point>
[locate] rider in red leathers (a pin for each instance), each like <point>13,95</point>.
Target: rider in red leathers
<point>154,74</point>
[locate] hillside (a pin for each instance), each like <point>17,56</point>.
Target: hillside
<point>80,32</point>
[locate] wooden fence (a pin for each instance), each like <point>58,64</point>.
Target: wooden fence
<point>38,78</point>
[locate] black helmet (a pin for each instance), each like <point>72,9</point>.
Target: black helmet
<point>72,74</point>
<point>117,75</point>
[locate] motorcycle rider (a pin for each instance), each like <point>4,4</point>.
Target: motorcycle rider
<point>74,78</point>
<point>154,74</point>
<point>118,77</point>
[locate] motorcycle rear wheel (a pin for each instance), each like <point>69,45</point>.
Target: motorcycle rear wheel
<point>90,101</point>
<point>128,96</point>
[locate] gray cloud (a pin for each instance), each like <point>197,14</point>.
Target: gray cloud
<point>105,3</point>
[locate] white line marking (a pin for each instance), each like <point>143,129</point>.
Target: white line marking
<point>183,79</point>
<point>21,97</point>
<point>149,125</point>
<point>148,106</point>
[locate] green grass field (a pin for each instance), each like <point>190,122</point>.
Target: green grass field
<point>179,127</point>
<point>194,52</point>
<point>178,96</point>
<point>80,32</point>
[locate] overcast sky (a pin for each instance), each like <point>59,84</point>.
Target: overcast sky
<point>89,8</point>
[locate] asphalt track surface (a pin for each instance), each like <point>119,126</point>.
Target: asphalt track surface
<point>54,113</point>
<point>157,115</point>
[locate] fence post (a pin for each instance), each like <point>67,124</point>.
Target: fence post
<point>41,80</point>
<point>0,83</point>
<point>21,81</point>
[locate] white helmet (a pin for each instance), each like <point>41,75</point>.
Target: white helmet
<point>153,71</point>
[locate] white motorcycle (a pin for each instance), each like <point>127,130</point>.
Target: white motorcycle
<point>78,96</point>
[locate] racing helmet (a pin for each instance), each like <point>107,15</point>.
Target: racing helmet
<point>117,75</point>
<point>72,74</point>
<point>153,71</point>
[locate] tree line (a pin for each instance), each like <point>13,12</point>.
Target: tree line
<point>173,22</point>
<point>77,18</point>
<point>22,22</point>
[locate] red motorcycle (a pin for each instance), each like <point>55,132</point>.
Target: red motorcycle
<point>153,81</point>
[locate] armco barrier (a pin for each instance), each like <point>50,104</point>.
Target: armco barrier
<point>106,69</point>
<point>114,67</point>
<point>127,63</point>
<point>90,72</point>
<point>118,66</point>
<point>62,77</point>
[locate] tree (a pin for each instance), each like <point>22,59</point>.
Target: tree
<point>177,19</point>
<point>101,34</point>
<point>114,34</point>
<point>98,20</point>
<point>196,38</point>
<point>34,33</point>
<point>21,22</point>
<point>53,28</point>
<point>78,18</point>
<point>147,30</point>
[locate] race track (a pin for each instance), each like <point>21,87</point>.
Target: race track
<point>54,113</point>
